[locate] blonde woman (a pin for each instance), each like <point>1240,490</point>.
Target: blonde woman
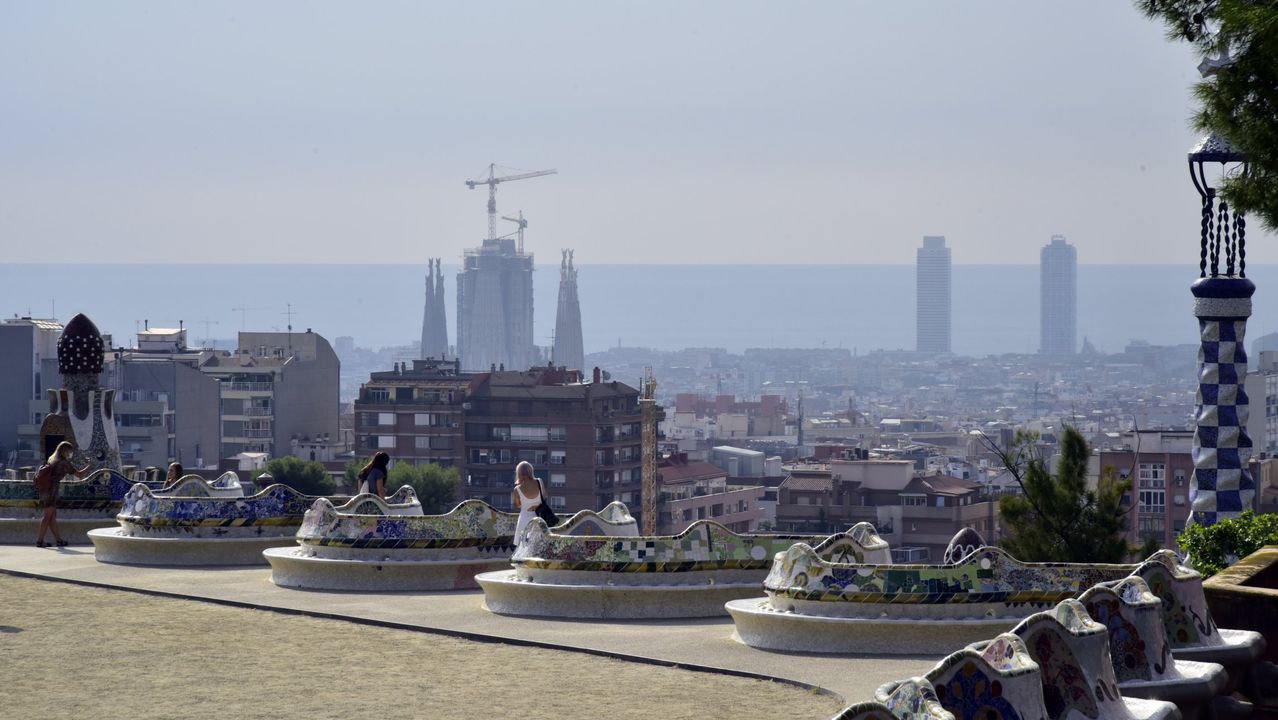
<point>526,496</point>
<point>47,480</point>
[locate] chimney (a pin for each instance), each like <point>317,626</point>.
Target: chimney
<point>598,375</point>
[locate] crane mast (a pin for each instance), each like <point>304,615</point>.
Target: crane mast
<point>492,181</point>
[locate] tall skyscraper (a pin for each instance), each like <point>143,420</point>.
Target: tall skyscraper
<point>932,323</point>
<point>495,307</point>
<point>434,319</point>
<point>1058,303</point>
<point>568,350</point>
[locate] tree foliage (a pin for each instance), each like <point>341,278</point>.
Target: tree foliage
<point>1057,518</point>
<point>305,476</point>
<point>435,485</point>
<point>1213,548</point>
<point>1239,101</point>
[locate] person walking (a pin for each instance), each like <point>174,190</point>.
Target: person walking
<point>47,479</point>
<point>372,479</point>
<point>529,498</point>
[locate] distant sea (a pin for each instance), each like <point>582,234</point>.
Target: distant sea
<point>866,307</point>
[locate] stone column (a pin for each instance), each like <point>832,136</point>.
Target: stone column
<point>1222,486</point>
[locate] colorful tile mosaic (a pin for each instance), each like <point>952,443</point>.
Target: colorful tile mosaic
<point>860,544</point>
<point>226,485</point>
<point>998,681</point>
<point>1072,651</point>
<point>989,575</point>
<point>102,491</point>
<point>912,699</point>
<point>473,523</point>
<point>277,507</point>
<point>704,545</point>
<point>1138,644</point>
<point>1186,618</point>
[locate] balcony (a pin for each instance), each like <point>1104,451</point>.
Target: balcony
<point>256,433</point>
<point>249,387</point>
<point>259,411</point>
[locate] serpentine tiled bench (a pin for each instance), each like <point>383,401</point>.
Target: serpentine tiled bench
<point>691,574</point>
<point>361,549</point>
<point>226,485</point>
<point>1077,675</point>
<point>1141,654</point>
<point>913,699</point>
<point>818,606</point>
<point>156,529</point>
<point>83,505</point>
<point>1190,628</point>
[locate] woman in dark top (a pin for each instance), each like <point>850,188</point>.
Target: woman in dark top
<point>372,479</point>
<point>48,478</point>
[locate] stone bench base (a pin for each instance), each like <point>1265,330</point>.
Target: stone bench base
<point>506,594</point>
<point>1192,692</point>
<point>289,568</point>
<point>22,531</point>
<point>111,545</point>
<point>1241,648</point>
<point>758,625</point>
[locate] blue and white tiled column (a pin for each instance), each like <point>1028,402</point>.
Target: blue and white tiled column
<point>1222,486</point>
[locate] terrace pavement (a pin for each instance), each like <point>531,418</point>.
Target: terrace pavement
<point>702,644</point>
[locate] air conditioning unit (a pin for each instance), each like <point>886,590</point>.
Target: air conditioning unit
<point>465,406</point>
<point>456,425</point>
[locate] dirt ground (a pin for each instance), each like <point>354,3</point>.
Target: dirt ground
<point>68,651</point>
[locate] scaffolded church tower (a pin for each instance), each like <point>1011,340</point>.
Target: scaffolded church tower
<point>434,319</point>
<point>568,349</point>
<point>495,307</point>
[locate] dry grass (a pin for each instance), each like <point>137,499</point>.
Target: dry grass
<point>68,651</point>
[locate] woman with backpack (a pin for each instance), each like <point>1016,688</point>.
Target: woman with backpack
<point>372,479</point>
<point>48,477</point>
<point>530,498</point>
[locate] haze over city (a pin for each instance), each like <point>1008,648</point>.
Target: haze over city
<point>715,132</point>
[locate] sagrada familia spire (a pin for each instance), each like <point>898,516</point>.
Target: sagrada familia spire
<point>434,321</point>
<point>568,350</point>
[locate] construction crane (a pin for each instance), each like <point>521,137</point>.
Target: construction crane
<point>522,224</point>
<point>492,182</point>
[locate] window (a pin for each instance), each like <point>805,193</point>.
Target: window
<point>914,500</point>
<point>377,395</point>
<point>441,442</point>
<point>558,457</point>
<point>558,479</point>
<point>1152,475</point>
<point>421,442</point>
<point>499,432</point>
<point>558,433</point>
<point>528,433</point>
<point>385,418</point>
<point>1180,478</point>
<point>940,501</point>
<point>558,502</point>
<point>385,441</point>
<point>422,419</point>
<point>1153,501</point>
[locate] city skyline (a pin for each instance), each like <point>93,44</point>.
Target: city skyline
<point>344,135</point>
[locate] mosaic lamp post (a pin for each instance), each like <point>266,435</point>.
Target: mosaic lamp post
<point>1221,487</point>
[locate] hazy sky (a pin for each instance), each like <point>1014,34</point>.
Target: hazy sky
<point>684,132</point>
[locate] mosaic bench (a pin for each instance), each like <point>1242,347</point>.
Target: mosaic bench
<point>361,549</point>
<point>1141,654</point>
<point>691,574</point>
<point>157,529</point>
<point>83,505</point>
<point>815,605</point>
<point>226,485</point>
<point>913,699</point>
<point>1192,631</point>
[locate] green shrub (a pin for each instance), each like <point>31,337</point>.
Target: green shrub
<point>1213,548</point>
<point>305,476</point>
<point>435,485</point>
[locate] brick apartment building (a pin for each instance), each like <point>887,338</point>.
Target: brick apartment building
<point>1159,465</point>
<point>582,438</point>
<point>917,515</point>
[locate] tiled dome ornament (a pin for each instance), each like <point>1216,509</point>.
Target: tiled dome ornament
<point>82,412</point>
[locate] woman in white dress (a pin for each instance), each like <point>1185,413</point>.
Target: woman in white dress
<point>526,496</point>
